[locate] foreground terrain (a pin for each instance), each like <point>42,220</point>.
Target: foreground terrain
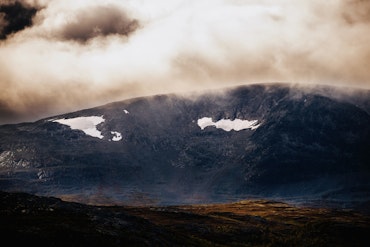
<point>45,221</point>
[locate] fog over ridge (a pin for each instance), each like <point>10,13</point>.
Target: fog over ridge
<point>74,54</point>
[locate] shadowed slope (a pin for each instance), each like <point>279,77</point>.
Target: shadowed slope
<point>309,146</point>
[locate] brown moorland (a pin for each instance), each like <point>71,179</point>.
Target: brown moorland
<point>29,219</point>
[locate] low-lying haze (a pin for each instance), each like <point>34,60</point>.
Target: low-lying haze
<point>60,56</point>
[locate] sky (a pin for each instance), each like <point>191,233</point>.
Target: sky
<point>60,56</point>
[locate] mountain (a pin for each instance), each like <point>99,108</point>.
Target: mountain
<point>297,144</point>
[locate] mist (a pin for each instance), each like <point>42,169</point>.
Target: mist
<point>68,55</point>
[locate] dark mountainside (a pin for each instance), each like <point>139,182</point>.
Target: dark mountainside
<point>311,147</point>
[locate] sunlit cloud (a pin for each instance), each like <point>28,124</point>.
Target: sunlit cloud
<point>77,54</point>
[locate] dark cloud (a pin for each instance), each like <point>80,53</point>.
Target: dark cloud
<point>356,11</point>
<point>14,17</point>
<point>98,21</point>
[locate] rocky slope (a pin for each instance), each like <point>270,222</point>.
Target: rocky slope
<point>271,141</point>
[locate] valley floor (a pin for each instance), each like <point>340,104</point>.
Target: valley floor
<point>27,219</point>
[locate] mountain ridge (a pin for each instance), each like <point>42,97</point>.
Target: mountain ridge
<point>308,146</point>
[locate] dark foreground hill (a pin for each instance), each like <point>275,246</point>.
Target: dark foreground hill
<point>265,141</point>
<point>27,220</point>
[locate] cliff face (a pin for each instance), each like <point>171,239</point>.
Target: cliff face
<point>270,141</point>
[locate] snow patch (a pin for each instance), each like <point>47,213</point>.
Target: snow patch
<point>116,136</point>
<point>86,124</point>
<point>227,124</point>
<point>205,122</point>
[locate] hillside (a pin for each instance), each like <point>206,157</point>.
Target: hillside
<point>273,141</point>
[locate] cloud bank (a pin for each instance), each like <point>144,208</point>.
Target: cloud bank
<point>60,56</point>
